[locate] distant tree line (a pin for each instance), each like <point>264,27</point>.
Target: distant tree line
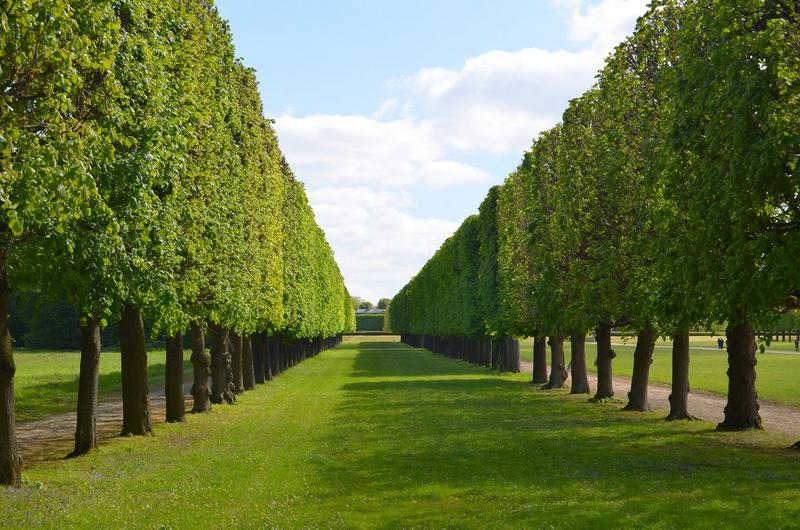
<point>139,180</point>
<point>666,199</point>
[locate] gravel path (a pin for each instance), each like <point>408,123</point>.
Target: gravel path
<point>53,437</point>
<point>777,418</point>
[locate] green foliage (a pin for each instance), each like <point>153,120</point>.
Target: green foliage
<point>666,197</point>
<point>732,152</point>
<point>138,168</point>
<point>441,299</point>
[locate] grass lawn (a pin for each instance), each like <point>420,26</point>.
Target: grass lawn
<point>777,374</point>
<point>47,381</point>
<point>379,435</point>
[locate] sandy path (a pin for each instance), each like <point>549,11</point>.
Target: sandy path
<point>709,348</point>
<point>777,418</point>
<point>53,437</point>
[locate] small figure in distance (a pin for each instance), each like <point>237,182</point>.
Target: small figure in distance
<point>797,344</point>
<point>720,343</point>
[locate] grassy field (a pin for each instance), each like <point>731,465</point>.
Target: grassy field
<point>378,435</point>
<point>47,381</point>
<point>777,374</point>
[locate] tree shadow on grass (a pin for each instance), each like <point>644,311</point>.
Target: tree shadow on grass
<point>484,451</point>
<point>399,360</point>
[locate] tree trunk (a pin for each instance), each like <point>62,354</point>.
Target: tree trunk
<point>269,351</point>
<point>512,355</point>
<point>557,371</point>
<point>580,379</point>
<point>741,412</point>
<point>539,360</point>
<point>605,382</point>
<point>173,387</point>
<point>201,363</point>
<point>248,371</point>
<point>236,363</point>
<point>679,398</point>
<point>640,379</point>
<point>221,375</point>
<point>135,387</point>
<point>259,358</point>
<point>86,424</point>
<point>10,458</point>
<point>275,358</point>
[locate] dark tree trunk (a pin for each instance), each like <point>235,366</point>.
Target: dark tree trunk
<point>558,373</point>
<point>580,379</point>
<point>86,424</point>
<point>679,398</point>
<point>269,352</point>
<point>248,372</point>
<point>741,412</point>
<point>512,355</point>
<point>236,363</point>
<point>259,358</point>
<point>498,346</point>
<point>221,375</point>
<point>275,358</point>
<point>135,387</point>
<point>173,388</point>
<point>605,382</point>
<point>10,458</point>
<point>640,379</point>
<point>201,363</point>
<point>486,352</point>
<point>539,360</point>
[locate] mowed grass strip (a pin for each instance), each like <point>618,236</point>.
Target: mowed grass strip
<point>777,374</point>
<point>377,435</point>
<point>46,382</point>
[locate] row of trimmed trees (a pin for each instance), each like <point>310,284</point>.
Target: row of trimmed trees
<point>140,179</point>
<point>451,307</point>
<point>667,198</point>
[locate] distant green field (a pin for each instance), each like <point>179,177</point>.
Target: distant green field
<point>369,322</point>
<point>47,381</point>
<point>777,373</point>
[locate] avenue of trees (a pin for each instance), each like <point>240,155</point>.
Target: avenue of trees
<point>667,198</point>
<point>140,180</point>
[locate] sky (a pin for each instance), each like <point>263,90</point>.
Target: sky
<point>400,115</point>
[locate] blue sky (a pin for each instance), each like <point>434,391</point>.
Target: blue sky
<point>399,116</point>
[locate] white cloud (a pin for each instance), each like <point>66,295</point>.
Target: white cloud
<point>363,171</point>
<point>346,150</point>
<point>603,24</point>
<point>378,246</point>
<point>498,101</point>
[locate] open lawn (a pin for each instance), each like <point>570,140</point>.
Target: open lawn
<point>47,381</point>
<point>777,374</point>
<point>379,435</point>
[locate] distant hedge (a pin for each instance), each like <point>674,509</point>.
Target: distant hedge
<point>369,322</point>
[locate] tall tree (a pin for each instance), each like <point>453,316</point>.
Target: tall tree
<point>732,144</point>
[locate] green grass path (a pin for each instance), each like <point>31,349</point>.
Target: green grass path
<point>377,435</point>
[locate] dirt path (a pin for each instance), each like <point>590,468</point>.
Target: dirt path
<point>53,437</point>
<point>708,348</point>
<point>777,418</point>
